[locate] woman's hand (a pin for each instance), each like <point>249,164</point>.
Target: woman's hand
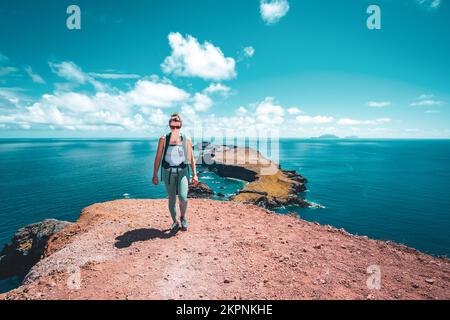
<point>155,180</point>
<point>194,180</point>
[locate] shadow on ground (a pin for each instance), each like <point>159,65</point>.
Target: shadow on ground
<point>128,238</point>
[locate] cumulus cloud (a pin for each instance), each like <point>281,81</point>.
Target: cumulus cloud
<point>201,102</point>
<point>217,88</point>
<point>189,58</point>
<point>241,111</point>
<point>273,10</point>
<point>155,94</point>
<point>157,117</point>
<point>268,112</point>
<point>138,109</point>
<point>34,76</point>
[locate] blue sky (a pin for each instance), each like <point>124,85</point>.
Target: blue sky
<point>303,67</point>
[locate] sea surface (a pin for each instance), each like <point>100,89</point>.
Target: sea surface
<point>396,190</point>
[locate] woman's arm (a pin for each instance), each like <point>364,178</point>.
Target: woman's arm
<point>192,160</point>
<point>158,157</point>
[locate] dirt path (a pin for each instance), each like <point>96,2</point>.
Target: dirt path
<point>122,250</point>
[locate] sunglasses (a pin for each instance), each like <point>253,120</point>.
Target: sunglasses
<point>175,127</point>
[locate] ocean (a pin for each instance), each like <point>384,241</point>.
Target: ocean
<point>396,190</point>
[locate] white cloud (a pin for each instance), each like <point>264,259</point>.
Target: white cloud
<point>427,103</point>
<point>75,102</point>
<point>71,72</point>
<point>217,88</point>
<point>249,52</point>
<point>267,112</point>
<point>11,95</point>
<point>189,58</point>
<point>34,76</point>
<point>114,76</point>
<point>241,111</point>
<point>158,117</point>
<point>379,104</point>
<point>135,110</point>
<point>189,115</point>
<point>294,110</point>
<point>353,122</point>
<point>432,111</point>
<point>201,102</point>
<point>426,100</point>
<point>273,10</point>
<point>314,120</point>
<point>156,94</point>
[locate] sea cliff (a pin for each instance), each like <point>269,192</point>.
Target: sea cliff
<point>122,250</point>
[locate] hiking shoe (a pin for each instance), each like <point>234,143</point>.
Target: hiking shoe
<point>175,226</point>
<point>184,224</point>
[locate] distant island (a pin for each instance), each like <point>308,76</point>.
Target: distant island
<point>326,136</point>
<point>333,137</point>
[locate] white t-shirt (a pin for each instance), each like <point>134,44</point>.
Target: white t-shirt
<point>175,154</point>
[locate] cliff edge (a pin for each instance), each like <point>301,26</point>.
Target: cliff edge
<point>122,250</point>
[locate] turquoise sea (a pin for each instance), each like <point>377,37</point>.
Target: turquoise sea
<point>395,190</point>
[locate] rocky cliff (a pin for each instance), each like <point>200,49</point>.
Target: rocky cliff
<point>27,247</point>
<point>122,249</point>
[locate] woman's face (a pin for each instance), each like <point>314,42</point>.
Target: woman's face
<point>175,125</point>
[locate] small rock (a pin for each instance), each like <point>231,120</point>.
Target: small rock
<point>226,281</point>
<point>317,246</point>
<point>430,281</point>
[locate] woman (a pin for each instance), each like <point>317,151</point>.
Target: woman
<point>175,154</point>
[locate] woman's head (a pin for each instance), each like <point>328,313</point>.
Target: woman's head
<point>175,122</point>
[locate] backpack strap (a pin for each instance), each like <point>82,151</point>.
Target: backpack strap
<point>166,146</point>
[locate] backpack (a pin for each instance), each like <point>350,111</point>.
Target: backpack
<point>184,164</point>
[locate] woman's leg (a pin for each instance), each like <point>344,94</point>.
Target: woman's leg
<point>171,189</point>
<point>183,187</point>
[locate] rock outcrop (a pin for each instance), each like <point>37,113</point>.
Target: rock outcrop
<point>27,247</point>
<point>201,191</point>
<point>123,249</point>
<point>269,186</point>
